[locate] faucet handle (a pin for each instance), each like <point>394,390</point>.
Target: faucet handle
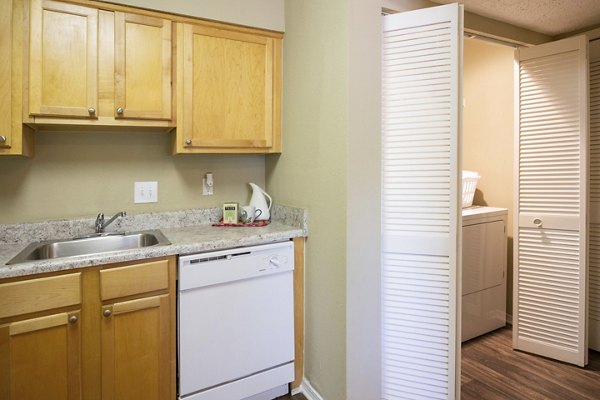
<point>99,224</point>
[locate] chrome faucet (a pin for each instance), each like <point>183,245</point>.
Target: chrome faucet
<point>100,224</point>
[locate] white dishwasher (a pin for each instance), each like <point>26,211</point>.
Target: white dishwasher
<point>236,323</point>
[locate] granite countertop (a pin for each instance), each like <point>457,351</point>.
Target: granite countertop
<point>189,231</point>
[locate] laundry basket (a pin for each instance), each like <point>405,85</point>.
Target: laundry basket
<point>469,184</point>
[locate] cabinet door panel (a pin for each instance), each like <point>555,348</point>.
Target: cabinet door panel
<point>134,279</point>
<point>136,349</point>
<point>142,67</point>
<point>228,98</point>
<point>50,292</point>
<point>484,259</point>
<point>63,60</point>
<point>41,358</point>
<point>5,73</point>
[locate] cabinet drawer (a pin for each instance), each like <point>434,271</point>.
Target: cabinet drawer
<point>134,279</point>
<point>40,294</point>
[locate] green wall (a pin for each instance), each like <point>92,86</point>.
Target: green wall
<point>267,14</point>
<point>82,174</point>
<point>312,173</point>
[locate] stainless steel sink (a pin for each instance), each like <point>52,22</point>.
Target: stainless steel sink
<point>98,243</point>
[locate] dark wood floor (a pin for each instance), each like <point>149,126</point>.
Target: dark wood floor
<point>298,396</point>
<point>492,370</point>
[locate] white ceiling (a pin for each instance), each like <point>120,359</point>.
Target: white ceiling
<point>550,17</point>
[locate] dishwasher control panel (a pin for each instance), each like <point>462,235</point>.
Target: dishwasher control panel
<point>216,267</point>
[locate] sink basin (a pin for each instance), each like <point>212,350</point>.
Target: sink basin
<point>100,243</point>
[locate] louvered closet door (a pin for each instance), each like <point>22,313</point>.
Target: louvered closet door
<point>551,178</point>
<point>594,232</point>
<point>422,62</point>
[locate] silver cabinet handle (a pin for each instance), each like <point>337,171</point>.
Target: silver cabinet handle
<point>2,139</point>
<point>538,222</point>
<point>92,110</point>
<point>120,110</point>
<point>107,313</point>
<point>188,141</point>
<point>73,319</point>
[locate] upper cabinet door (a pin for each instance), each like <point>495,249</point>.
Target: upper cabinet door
<point>230,84</point>
<point>5,73</point>
<point>142,67</point>
<point>63,60</point>
<point>15,137</point>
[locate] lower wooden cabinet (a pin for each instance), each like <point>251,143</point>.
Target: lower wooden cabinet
<point>138,330</point>
<point>103,333</point>
<point>40,358</point>
<point>136,350</point>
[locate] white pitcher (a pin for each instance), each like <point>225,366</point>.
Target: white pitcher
<point>259,202</point>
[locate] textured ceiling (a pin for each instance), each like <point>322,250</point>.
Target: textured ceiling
<point>550,17</point>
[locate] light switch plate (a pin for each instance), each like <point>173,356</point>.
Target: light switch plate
<point>145,192</point>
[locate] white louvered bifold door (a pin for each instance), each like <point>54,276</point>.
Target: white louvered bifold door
<point>551,200</point>
<point>594,232</point>
<point>421,214</point>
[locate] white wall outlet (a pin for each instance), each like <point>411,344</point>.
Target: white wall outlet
<point>145,192</point>
<point>208,184</point>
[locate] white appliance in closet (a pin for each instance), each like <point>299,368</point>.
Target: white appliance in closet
<point>483,270</point>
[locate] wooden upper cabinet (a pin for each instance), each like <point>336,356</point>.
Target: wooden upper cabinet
<point>98,67</point>
<point>142,67</point>
<point>5,73</point>
<point>87,66</point>
<point>229,88</point>
<point>63,60</point>
<point>15,138</point>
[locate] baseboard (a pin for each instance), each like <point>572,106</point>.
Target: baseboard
<point>307,390</point>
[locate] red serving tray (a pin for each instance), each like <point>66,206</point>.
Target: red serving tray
<point>262,222</point>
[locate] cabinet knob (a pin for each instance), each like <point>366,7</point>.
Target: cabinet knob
<point>107,313</point>
<point>2,139</point>
<point>73,319</point>
<point>538,222</point>
<point>92,110</point>
<point>120,110</point>
<point>188,141</point>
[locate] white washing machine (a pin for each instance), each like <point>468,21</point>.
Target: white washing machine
<point>483,270</point>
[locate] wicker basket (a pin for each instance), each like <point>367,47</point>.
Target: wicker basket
<point>469,184</point>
